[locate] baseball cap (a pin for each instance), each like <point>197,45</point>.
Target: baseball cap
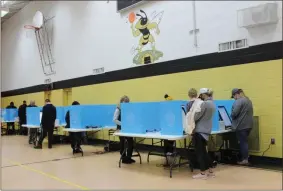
<point>235,91</point>
<point>203,91</point>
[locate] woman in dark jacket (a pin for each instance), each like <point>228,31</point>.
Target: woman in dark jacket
<point>76,137</point>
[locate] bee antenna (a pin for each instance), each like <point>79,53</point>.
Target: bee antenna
<point>143,13</point>
<point>139,15</point>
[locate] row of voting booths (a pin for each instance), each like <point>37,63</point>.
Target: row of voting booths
<point>166,117</point>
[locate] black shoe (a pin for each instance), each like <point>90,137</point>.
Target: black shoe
<point>132,160</point>
<point>38,147</point>
<point>126,161</point>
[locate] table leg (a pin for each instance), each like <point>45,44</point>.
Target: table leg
<point>137,151</point>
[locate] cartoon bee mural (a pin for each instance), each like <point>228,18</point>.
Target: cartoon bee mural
<point>143,29</point>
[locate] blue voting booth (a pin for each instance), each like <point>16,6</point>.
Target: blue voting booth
<point>33,115</point>
<point>9,114</point>
<point>171,117</point>
<point>164,117</point>
<point>61,114</point>
<point>223,110</point>
<point>82,116</point>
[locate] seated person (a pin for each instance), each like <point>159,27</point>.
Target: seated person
<point>76,137</point>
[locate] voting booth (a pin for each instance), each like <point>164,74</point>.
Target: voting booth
<point>84,116</point>
<point>9,115</point>
<point>34,115</point>
<point>61,114</point>
<point>144,117</point>
<point>222,116</point>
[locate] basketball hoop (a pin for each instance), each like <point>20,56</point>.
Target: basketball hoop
<point>31,27</point>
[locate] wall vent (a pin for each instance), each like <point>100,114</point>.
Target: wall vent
<point>98,71</point>
<point>260,15</point>
<point>232,45</point>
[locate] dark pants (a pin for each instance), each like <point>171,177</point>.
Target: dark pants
<point>76,139</point>
<point>45,131</point>
<point>10,128</point>
<point>130,148</point>
<point>242,136</point>
<point>32,133</point>
<point>23,130</point>
<point>168,146</point>
<point>201,152</point>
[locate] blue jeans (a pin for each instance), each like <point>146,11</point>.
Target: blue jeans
<point>242,136</point>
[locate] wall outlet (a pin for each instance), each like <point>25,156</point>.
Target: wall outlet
<point>272,141</point>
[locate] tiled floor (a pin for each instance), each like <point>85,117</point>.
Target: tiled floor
<point>25,168</point>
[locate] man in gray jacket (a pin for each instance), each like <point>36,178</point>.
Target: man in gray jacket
<point>242,121</point>
<point>203,121</point>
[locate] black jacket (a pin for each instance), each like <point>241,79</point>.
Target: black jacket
<point>22,112</point>
<point>67,119</point>
<point>11,107</point>
<point>48,116</point>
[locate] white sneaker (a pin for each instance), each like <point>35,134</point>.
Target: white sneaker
<point>243,162</point>
<point>200,176</point>
<point>211,175</point>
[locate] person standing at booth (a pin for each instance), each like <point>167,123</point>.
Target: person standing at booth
<point>126,157</point>
<point>76,137</point>
<point>22,118</point>
<point>11,125</point>
<point>31,131</point>
<point>201,133</point>
<point>242,121</point>
<point>48,123</point>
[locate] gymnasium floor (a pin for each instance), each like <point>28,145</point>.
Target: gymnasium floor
<point>25,168</point>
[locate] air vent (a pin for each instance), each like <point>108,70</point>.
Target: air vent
<point>232,45</point>
<point>98,71</point>
<point>260,15</point>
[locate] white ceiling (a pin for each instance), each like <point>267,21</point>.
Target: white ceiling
<point>13,6</point>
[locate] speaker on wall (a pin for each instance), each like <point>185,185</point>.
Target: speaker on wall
<point>123,4</point>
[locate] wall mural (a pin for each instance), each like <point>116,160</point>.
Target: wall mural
<point>144,29</point>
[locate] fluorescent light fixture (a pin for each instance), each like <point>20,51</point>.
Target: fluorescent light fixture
<point>4,11</point>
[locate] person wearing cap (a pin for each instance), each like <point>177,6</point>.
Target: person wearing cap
<point>242,121</point>
<point>76,137</point>
<point>203,127</point>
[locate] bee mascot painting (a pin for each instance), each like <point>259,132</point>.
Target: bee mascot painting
<point>146,52</point>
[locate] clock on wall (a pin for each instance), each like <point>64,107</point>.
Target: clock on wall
<point>124,4</point>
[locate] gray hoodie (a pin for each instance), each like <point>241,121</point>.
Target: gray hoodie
<point>203,119</point>
<point>242,114</point>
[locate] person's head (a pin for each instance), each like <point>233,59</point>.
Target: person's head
<point>12,104</point>
<point>167,97</point>
<point>32,102</point>
<point>24,102</point>
<point>192,93</point>
<point>237,93</point>
<point>210,92</point>
<point>47,101</point>
<point>125,99</point>
<point>75,103</point>
<point>204,94</point>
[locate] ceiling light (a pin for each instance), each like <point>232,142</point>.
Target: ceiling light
<point>4,11</point>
